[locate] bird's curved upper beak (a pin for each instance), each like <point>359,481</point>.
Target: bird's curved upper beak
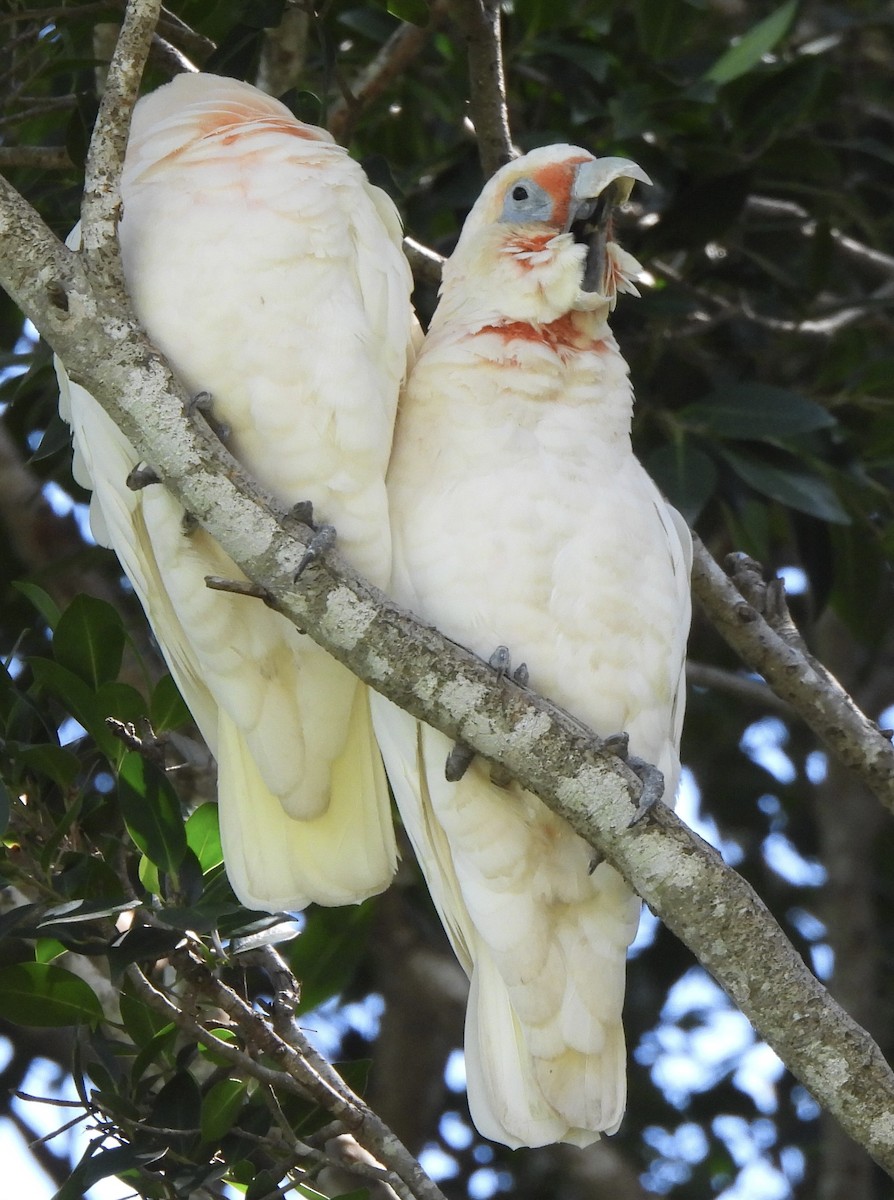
<point>599,186</point>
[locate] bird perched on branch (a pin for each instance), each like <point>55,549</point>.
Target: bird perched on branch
<point>521,516</point>
<point>269,271</point>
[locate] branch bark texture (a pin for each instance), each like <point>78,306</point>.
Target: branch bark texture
<point>479,24</point>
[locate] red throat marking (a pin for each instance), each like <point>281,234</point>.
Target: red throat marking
<point>563,336</point>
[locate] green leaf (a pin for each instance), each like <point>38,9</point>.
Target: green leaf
<point>798,489</point>
<point>56,437</point>
<point>42,601</point>
<point>46,949</point>
<point>220,1108</point>
<point>89,640</point>
<point>752,46</point>
<point>756,412</point>
<point>685,474</point>
<point>151,813</point>
<point>34,993</point>
<point>178,1106</point>
<point>203,835</point>
<point>167,709</point>
<point>55,762</point>
<point>415,12</point>
<point>99,1164</point>
<point>78,699</point>
<point>212,1055</point>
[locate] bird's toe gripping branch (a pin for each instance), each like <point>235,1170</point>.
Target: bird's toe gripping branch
<point>322,540</point>
<point>202,404</point>
<point>460,757</point>
<point>653,787</point>
<point>141,476</point>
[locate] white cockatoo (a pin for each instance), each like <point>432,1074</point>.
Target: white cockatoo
<point>269,271</point>
<point>520,516</point>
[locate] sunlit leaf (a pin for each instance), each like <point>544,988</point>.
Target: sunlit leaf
<point>203,835</point>
<point>89,640</point>
<point>750,49</point>
<point>220,1108</point>
<point>167,709</point>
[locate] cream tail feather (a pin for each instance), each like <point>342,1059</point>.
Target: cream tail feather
<point>521,517</point>
<point>270,272</point>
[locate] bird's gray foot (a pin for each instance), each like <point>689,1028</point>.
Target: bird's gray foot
<point>322,540</point>
<point>617,744</point>
<point>460,757</point>
<point>203,402</point>
<point>141,476</point>
<point>458,762</point>
<point>653,788</point>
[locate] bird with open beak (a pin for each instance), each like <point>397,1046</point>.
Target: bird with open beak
<point>521,517</point>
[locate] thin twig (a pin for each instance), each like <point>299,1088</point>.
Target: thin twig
<point>43,158</point>
<point>404,45</point>
<point>479,23</point>
<point>306,1070</point>
<point>425,264</point>
<point>101,204</point>
<point>797,677</point>
<point>733,683</point>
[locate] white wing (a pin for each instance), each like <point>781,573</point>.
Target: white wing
<point>268,270</point>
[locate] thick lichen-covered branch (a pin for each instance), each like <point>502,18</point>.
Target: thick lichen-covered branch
<point>710,907</point>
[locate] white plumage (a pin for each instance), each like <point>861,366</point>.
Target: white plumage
<point>521,517</point>
<point>269,272</point>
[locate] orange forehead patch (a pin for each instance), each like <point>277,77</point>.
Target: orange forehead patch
<point>556,179</point>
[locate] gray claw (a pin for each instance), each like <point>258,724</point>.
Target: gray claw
<point>653,788</point>
<point>458,762</point>
<point>303,511</point>
<point>203,402</point>
<point>322,540</point>
<point>617,744</point>
<point>501,660</point>
<point>141,476</point>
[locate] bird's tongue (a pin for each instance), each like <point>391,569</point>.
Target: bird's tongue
<point>592,227</point>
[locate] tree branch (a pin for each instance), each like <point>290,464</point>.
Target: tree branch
<point>300,1068</point>
<point>795,676</point>
<point>41,158</point>
<point>479,23</point>
<point>101,203</point>
<point>711,908</point>
<point>404,45</point>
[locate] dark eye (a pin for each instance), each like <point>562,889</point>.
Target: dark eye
<point>519,193</point>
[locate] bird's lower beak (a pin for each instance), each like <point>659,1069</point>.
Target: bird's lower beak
<point>599,187</point>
